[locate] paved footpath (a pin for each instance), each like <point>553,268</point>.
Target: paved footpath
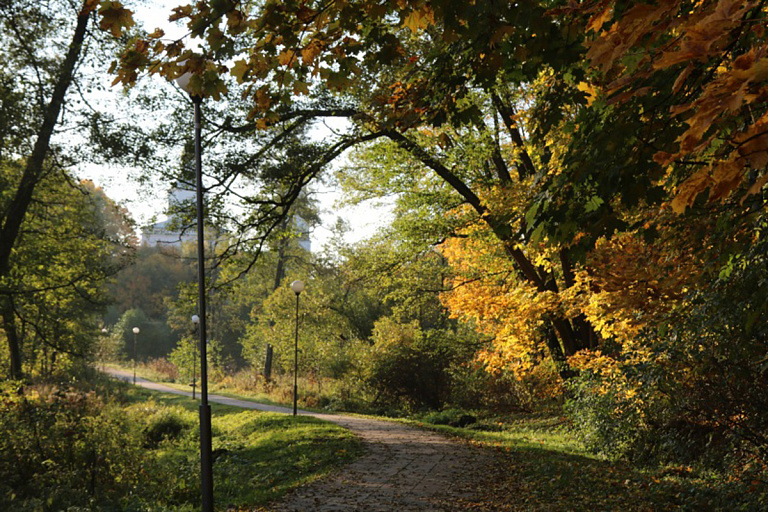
<point>403,468</point>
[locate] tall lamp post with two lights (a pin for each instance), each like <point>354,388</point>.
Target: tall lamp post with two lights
<point>206,459</point>
<point>135,336</point>
<point>297,287</point>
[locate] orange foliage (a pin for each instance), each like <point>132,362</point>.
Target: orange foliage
<point>628,284</point>
<point>718,50</point>
<point>487,292</point>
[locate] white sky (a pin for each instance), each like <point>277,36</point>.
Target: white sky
<point>148,202</point>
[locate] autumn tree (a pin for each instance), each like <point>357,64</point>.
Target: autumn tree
<point>394,69</point>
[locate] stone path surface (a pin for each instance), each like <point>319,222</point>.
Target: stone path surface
<point>403,468</point>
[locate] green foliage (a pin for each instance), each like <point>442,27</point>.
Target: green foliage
<point>410,365</point>
<point>72,241</point>
<point>474,387</point>
<point>324,335</point>
<point>63,448</point>
<point>153,278</point>
<point>155,338</point>
<point>608,422</point>
<point>163,424</point>
<point>186,358</point>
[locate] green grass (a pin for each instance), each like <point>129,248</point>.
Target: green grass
<point>258,456</point>
<point>543,467</point>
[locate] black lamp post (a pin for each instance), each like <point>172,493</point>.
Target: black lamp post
<point>206,460</point>
<point>196,322</point>
<point>297,287</point>
<point>135,336</point>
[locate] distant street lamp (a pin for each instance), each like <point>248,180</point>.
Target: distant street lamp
<point>196,322</point>
<point>297,287</point>
<point>206,459</point>
<point>135,335</point>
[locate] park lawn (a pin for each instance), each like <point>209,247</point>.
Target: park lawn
<point>258,456</point>
<point>543,467</point>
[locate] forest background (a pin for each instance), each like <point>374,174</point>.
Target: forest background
<point>578,225</point>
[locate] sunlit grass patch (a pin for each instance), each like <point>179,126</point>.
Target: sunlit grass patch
<point>258,456</point>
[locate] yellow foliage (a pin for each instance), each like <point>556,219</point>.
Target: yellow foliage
<point>628,284</point>
<point>487,292</point>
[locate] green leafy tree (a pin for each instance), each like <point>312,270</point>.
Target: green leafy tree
<point>324,335</point>
<point>43,48</point>
<point>155,338</point>
<point>69,246</point>
<point>186,358</point>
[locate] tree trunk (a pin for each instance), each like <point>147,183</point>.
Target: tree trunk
<point>564,336</point>
<point>12,335</point>
<point>34,170</point>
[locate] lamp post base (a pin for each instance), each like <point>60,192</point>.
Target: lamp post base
<point>206,462</point>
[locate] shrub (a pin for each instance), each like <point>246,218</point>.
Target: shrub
<point>62,448</point>
<point>412,366</point>
<point>166,424</point>
<point>608,421</point>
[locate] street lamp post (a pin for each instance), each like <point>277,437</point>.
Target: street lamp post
<point>135,335</point>
<point>297,287</point>
<point>196,321</point>
<point>206,459</point>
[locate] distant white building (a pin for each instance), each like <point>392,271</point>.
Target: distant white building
<point>172,232</point>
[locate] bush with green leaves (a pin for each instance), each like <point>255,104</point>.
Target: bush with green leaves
<point>411,366</point>
<point>61,448</point>
<point>607,418</point>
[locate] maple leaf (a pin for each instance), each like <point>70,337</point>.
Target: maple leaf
<point>726,178</point>
<point>263,99</point>
<point>311,51</point>
<point>597,21</point>
<point>419,19</point>
<point>690,189</point>
<point>183,11</point>
<point>236,21</point>
<point>240,70</point>
<point>286,57</point>
<point>89,6</point>
<point>115,18</point>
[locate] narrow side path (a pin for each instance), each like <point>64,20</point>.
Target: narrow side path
<point>403,468</point>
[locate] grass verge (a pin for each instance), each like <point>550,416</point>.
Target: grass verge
<point>258,456</point>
